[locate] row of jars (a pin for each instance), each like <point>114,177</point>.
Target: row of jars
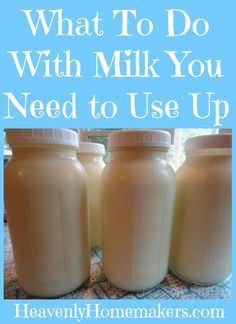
<point>132,204</point>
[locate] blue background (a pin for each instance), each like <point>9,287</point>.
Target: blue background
<point>216,44</point>
<point>219,43</point>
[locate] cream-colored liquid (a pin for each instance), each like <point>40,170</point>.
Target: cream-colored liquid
<point>94,166</point>
<point>46,205</point>
<point>137,205</point>
<point>170,157</point>
<point>201,241</point>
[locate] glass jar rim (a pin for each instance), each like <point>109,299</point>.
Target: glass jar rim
<point>209,152</point>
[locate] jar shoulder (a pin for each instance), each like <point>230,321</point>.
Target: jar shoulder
<point>50,171</point>
<point>139,171</point>
<point>94,169</point>
<point>205,170</point>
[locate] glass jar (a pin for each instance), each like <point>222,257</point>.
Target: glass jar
<point>201,242</point>
<point>46,207</point>
<point>138,189</point>
<point>171,156</point>
<point>90,156</point>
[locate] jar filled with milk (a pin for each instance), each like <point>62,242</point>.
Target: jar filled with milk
<point>138,190</point>
<point>90,156</point>
<point>46,206</point>
<point>201,240</point>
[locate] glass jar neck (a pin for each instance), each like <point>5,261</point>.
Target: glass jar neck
<point>209,153</point>
<point>90,158</point>
<point>139,153</point>
<point>43,152</point>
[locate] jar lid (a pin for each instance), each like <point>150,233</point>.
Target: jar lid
<point>59,136</point>
<point>141,137</point>
<point>216,141</point>
<point>93,148</point>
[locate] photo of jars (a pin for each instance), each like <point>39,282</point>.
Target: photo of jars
<point>117,213</point>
